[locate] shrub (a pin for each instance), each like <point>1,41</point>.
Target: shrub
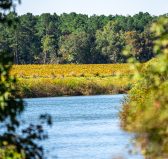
<point>145,111</point>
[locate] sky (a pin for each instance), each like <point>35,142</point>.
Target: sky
<point>90,7</point>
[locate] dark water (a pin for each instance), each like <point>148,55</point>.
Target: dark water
<point>84,127</point>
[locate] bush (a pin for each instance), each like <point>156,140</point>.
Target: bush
<point>145,111</point>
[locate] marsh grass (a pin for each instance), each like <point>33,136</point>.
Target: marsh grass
<point>68,80</point>
<point>45,87</point>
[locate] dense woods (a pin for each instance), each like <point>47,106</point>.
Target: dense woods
<point>77,38</point>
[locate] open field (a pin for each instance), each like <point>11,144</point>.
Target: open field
<point>70,70</point>
<point>59,80</point>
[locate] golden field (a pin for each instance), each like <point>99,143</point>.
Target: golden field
<point>60,80</point>
<point>69,70</point>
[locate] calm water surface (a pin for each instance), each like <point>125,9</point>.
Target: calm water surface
<point>83,127</point>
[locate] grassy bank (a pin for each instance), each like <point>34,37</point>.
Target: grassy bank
<point>43,87</point>
<point>67,80</point>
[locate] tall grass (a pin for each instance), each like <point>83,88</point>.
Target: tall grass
<point>44,87</point>
<point>59,80</point>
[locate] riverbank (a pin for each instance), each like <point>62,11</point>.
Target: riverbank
<point>72,80</point>
<point>72,86</point>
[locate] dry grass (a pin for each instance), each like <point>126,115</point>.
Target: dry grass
<point>52,71</point>
<point>59,80</point>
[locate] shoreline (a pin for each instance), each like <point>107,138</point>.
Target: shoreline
<point>74,86</point>
<point>75,94</point>
<point>72,80</point>
<point>98,95</point>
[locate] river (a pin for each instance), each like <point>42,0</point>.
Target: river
<point>84,127</point>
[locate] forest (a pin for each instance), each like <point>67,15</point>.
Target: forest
<point>77,38</point>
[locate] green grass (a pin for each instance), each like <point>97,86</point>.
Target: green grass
<point>68,86</point>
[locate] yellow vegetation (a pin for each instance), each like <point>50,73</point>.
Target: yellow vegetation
<point>58,80</point>
<point>52,71</point>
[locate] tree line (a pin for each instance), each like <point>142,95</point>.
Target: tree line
<point>77,38</point>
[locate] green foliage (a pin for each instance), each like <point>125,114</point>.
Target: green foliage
<point>72,22</point>
<point>110,42</point>
<point>49,49</point>
<point>104,35</point>
<point>139,45</point>
<point>146,109</point>
<point>14,145</point>
<point>75,48</point>
<point>10,152</point>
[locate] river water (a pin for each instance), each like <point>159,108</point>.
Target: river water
<point>84,127</point>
